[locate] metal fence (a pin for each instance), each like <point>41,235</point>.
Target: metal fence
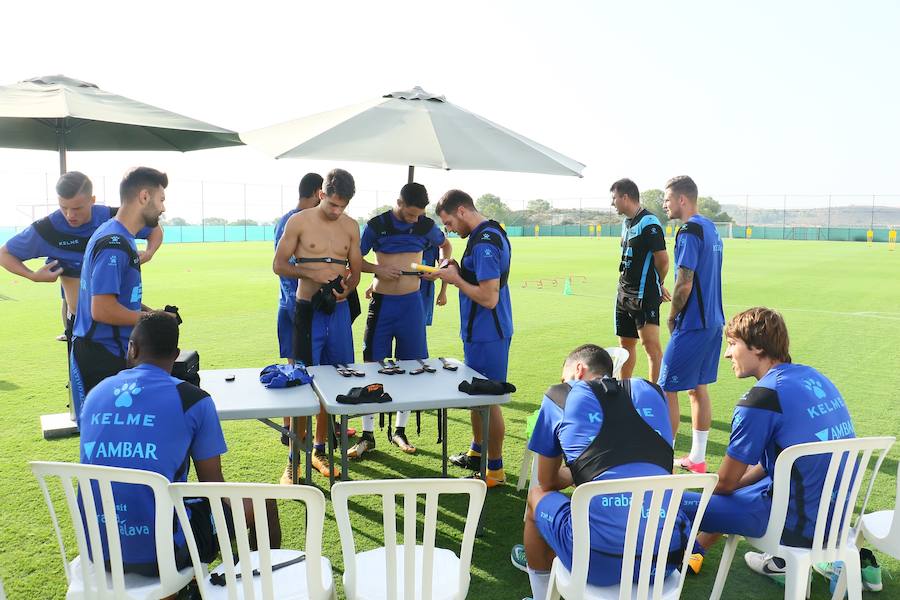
<point>237,211</point>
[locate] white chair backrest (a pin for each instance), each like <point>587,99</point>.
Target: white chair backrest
<point>257,493</point>
<point>658,487</point>
<point>619,355</point>
<point>409,490</point>
<point>94,573</point>
<point>853,455</point>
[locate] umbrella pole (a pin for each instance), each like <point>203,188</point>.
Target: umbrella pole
<point>409,178</point>
<point>61,145</point>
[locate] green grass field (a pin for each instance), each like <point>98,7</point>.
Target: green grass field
<point>840,301</point>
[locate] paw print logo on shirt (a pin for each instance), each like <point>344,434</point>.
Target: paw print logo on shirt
<point>815,386</point>
<point>125,394</point>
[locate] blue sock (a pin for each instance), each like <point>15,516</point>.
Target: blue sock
<point>495,464</point>
<point>476,448</point>
<point>319,448</point>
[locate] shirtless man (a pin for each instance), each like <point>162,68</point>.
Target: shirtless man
<point>325,243</point>
<point>395,325</point>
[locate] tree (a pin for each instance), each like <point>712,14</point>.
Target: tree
<point>492,207</point>
<point>712,210</point>
<point>652,200</point>
<point>243,222</point>
<point>176,222</point>
<point>539,206</point>
<point>214,221</point>
<point>379,210</point>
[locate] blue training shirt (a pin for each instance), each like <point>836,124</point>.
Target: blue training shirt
<point>569,432</point>
<point>488,262</point>
<point>399,236</point>
<point>53,238</point>
<point>143,418</point>
<point>115,270</point>
<point>792,404</point>
<point>288,285</point>
<point>698,247</point>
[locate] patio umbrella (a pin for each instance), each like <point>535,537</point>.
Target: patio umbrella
<point>60,113</point>
<point>412,128</point>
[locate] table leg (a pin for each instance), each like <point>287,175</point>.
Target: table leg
<point>442,415</point>
<point>309,449</point>
<point>331,441</point>
<point>485,432</point>
<point>344,443</point>
<point>294,450</point>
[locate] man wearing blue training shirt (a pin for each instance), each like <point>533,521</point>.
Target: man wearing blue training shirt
<point>143,418</point>
<point>790,404</point>
<point>486,326</point>
<point>62,237</point>
<point>691,360</point>
<point>395,325</point>
<point>111,289</point>
<point>594,428</point>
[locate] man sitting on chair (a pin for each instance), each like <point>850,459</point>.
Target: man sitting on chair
<point>143,418</point>
<point>790,404</point>
<point>603,429</point>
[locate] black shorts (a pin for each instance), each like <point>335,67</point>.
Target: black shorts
<point>628,322</point>
<point>91,363</point>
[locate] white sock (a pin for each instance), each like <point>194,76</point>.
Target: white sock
<point>540,581</point>
<point>698,446</point>
<point>402,418</point>
<point>368,423</point>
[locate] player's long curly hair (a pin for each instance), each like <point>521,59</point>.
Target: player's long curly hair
<point>763,329</point>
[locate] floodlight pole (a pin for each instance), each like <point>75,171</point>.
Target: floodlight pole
<point>61,145</point>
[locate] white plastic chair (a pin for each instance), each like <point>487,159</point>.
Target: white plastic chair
<point>311,578</point>
<point>573,584</point>
<point>882,529</point>
<point>619,355</point>
<point>411,570</point>
<point>89,580</point>
<point>854,454</point>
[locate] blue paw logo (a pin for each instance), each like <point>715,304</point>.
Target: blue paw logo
<point>815,386</point>
<point>125,394</point>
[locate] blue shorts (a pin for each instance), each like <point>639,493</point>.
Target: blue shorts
<point>395,326</point>
<point>691,359</point>
<point>320,338</point>
<point>553,517</point>
<point>426,288</point>
<point>491,359</point>
<point>286,331</point>
<point>745,512</point>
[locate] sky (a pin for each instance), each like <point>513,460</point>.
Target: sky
<point>762,98</point>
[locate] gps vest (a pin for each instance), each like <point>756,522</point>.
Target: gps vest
<point>114,242</point>
<point>624,436</point>
<point>492,237</point>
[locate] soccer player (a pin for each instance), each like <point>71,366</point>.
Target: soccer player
<point>325,243</point>
<point>61,238</point>
<point>486,326</point>
<point>643,270</point>
<point>790,404</point>
<point>601,429</point>
<point>395,325</point>
<point>143,418</point>
<point>426,287</point>
<point>691,360</point>
<point>111,289</point>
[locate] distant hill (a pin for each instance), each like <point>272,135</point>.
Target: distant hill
<point>840,216</point>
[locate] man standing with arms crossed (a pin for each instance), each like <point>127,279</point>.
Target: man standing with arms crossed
<point>325,243</point>
<point>62,237</point>
<point>691,361</point>
<point>395,325</point>
<point>111,288</point>
<point>643,270</point>
<point>485,310</point>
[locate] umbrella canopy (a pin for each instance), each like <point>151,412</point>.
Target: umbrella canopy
<point>412,128</point>
<point>60,113</point>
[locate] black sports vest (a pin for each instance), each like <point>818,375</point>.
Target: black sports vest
<point>114,241</point>
<point>493,238</point>
<point>383,226</point>
<point>624,436</point>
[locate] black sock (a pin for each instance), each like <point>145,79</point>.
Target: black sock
<point>369,435</point>
<point>400,431</point>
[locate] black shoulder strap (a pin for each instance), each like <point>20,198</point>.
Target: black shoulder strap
<point>73,243</point>
<point>190,395</point>
<point>117,242</point>
<point>422,226</point>
<point>558,394</point>
<point>112,211</point>
<point>692,228</point>
<point>762,398</point>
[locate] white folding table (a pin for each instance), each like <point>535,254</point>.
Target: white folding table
<point>427,391</point>
<point>246,398</point>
